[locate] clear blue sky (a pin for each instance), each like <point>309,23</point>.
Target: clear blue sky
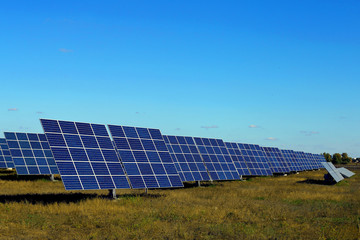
<point>275,73</point>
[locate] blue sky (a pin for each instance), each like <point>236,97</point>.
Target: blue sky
<point>274,73</point>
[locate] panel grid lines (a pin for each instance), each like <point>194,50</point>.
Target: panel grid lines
<point>31,153</point>
<point>85,155</point>
<point>5,155</point>
<point>145,157</point>
<point>255,159</point>
<point>187,159</point>
<point>216,158</point>
<point>276,160</point>
<point>238,159</point>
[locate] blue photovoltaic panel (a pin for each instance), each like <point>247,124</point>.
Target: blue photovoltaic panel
<point>321,159</point>
<point>255,159</point>
<point>306,161</point>
<point>31,153</point>
<point>238,159</point>
<point>145,157</point>
<point>85,155</point>
<point>5,156</point>
<point>187,159</point>
<point>276,160</point>
<point>217,159</point>
<point>298,163</point>
<point>300,159</point>
<point>291,162</point>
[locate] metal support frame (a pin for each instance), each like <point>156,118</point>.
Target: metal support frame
<point>198,183</point>
<point>241,178</point>
<point>52,177</point>
<point>112,193</point>
<point>146,191</point>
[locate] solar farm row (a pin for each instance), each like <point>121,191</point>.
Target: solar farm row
<point>87,157</point>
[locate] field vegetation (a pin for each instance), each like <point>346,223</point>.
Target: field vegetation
<point>298,206</point>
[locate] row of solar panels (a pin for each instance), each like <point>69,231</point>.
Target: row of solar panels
<point>87,157</point>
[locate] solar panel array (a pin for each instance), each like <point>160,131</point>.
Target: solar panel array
<point>31,153</point>
<point>217,159</point>
<point>276,160</point>
<point>238,159</point>
<point>87,158</point>
<point>5,155</point>
<point>85,155</point>
<point>145,157</point>
<point>255,159</point>
<point>187,159</point>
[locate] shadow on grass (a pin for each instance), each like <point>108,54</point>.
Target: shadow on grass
<point>317,182</point>
<point>46,199</point>
<point>15,177</point>
<point>202,184</point>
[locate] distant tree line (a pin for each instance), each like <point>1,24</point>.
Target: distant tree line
<point>338,158</point>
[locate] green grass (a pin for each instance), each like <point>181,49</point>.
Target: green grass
<point>292,207</point>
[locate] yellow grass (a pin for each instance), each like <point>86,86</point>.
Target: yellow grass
<point>292,207</point>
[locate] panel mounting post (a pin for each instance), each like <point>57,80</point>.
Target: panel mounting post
<point>198,183</point>
<point>52,177</point>
<point>112,193</point>
<point>146,191</point>
<point>241,178</point>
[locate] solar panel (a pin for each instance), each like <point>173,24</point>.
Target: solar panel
<point>276,160</point>
<point>287,154</point>
<point>238,159</point>
<point>335,174</point>
<point>145,157</point>
<point>216,158</point>
<point>187,159</point>
<point>31,153</point>
<point>345,172</point>
<point>85,155</point>
<point>5,155</point>
<point>298,164</point>
<point>305,161</point>
<point>255,159</point>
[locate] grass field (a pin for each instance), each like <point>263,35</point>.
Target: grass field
<point>298,206</point>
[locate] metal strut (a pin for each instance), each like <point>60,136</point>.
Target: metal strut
<point>112,193</point>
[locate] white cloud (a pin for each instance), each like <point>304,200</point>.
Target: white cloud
<point>271,139</point>
<point>64,50</point>
<point>254,126</point>
<point>208,127</point>
<point>309,133</point>
<point>13,109</point>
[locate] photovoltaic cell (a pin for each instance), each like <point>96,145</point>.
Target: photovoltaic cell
<point>276,160</point>
<point>31,153</point>
<point>217,159</point>
<point>255,158</point>
<point>85,155</point>
<point>145,157</point>
<point>187,159</point>
<point>5,155</point>
<point>238,159</point>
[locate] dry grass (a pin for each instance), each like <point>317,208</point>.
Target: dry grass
<point>293,207</point>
